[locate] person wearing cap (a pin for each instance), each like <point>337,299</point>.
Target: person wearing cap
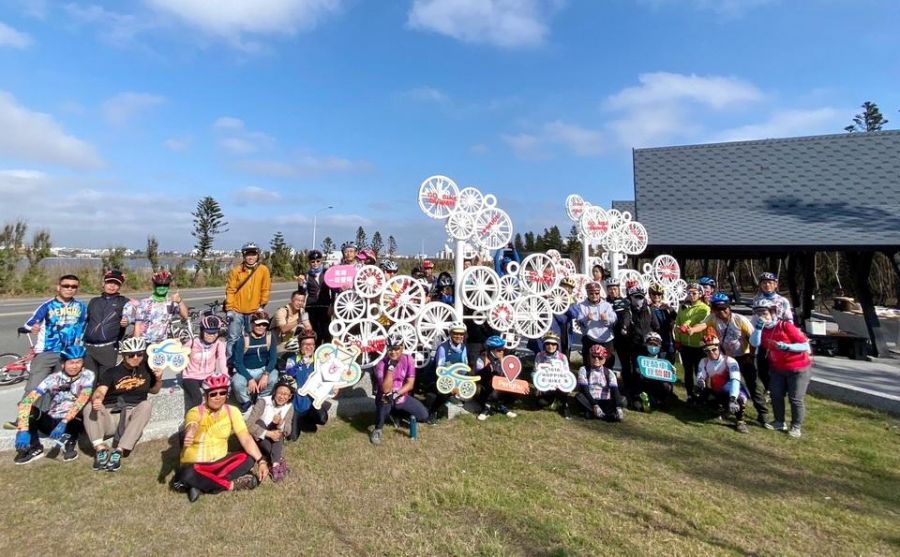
<point>596,318</point>
<point>206,358</point>
<point>367,256</point>
<point>719,381</point>
<point>551,355</point>
<point>270,423</point>
<point>300,364</point>
<point>153,315</point>
<point>290,318</point>
<point>767,285</point>
<point>503,258</point>
<point>318,296</point>
<point>255,357</point>
<point>106,323</point>
<point>690,323</point>
<point>734,331</point>
<point>248,290</point>
<point>67,391</point>
<point>637,323</point>
<point>395,379</point>
<point>428,271</point>
<point>452,351</point>
<point>598,389</point>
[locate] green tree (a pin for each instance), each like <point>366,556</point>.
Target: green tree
<point>518,244</point>
<point>114,259</point>
<point>279,260</point>
<point>12,239</point>
<point>209,222</point>
<point>153,253</point>
<point>35,280</point>
<point>553,239</point>
<point>529,241</point>
<point>869,120</point>
<point>328,245</point>
<point>392,246</point>
<point>361,238</point>
<point>377,243</point>
<point>573,244</point>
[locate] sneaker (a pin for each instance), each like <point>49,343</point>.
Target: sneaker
<point>193,494</point>
<point>795,432</point>
<point>567,414</point>
<point>101,459</point>
<point>765,425</point>
<point>510,414</point>
<point>278,473</point>
<point>69,451</point>
<point>645,401</point>
<point>483,416</point>
<point>432,418</point>
<point>177,486</point>
<point>778,426</point>
<point>375,437</point>
<point>245,407</point>
<point>247,481</point>
<point>115,462</point>
<point>741,427</point>
<point>29,455</point>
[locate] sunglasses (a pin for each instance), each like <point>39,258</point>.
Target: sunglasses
<point>713,349</point>
<point>68,286</point>
<point>216,394</point>
<point>266,324</point>
<point>133,355</point>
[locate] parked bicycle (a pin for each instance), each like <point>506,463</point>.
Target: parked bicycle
<point>15,368</point>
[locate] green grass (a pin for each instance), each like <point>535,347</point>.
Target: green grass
<point>666,484</point>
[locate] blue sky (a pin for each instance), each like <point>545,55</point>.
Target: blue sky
<point>117,116</point>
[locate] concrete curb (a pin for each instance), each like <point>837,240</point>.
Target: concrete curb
<point>856,396</point>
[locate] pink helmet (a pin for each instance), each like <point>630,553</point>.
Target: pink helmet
<point>216,381</point>
<point>210,323</point>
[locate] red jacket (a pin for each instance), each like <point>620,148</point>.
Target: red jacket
<point>785,360</point>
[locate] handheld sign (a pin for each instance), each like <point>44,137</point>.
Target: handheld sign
<point>553,376</point>
<point>511,367</point>
<point>455,378</point>
<point>169,353</point>
<point>335,368</point>
<point>340,276</point>
<point>656,369</point>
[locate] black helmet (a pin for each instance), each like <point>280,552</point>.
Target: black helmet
<point>314,255</point>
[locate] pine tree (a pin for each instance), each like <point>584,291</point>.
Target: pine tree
<point>209,222</point>
<point>279,260</point>
<point>517,243</point>
<point>529,241</point>
<point>328,246</point>
<point>361,238</point>
<point>153,253</point>
<point>377,243</point>
<point>870,120</point>
<point>392,246</point>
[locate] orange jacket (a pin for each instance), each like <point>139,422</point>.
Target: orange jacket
<point>253,294</point>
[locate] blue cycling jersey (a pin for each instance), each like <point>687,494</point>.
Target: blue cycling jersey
<point>62,324</point>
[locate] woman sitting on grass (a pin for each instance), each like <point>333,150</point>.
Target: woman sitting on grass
<point>271,421</point>
<point>207,466</point>
<point>598,388</point>
<point>395,378</point>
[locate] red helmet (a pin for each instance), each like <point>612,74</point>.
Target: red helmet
<point>162,278</point>
<point>427,264</point>
<point>598,351</point>
<point>216,381</point>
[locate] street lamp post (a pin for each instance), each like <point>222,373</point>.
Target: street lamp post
<point>315,217</point>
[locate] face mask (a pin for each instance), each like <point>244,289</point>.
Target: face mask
<point>653,350</point>
<point>160,291</point>
<point>637,303</point>
<point>770,324</point>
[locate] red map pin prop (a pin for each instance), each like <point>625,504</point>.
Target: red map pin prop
<point>511,366</point>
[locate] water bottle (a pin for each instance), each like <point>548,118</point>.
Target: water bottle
<point>413,428</point>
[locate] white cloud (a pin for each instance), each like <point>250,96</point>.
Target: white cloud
<point>303,166</point>
<point>256,195</point>
<point>228,123</point>
<point>11,37</point>
<point>503,23</point>
<point>235,138</point>
<point>479,149</point>
<point>178,144</point>
<point>789,123</point>
<point>427,94</point>
<point>36,136</point>
<point>232,19</point>
<point>115,28</point>
<point>582,141</point>
<point>34,8</point>
<point>525,146</point>
<point>727,9</point>
<point>21,181</point>
<point>125,107</point>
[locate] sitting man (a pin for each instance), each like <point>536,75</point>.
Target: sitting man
<point>68,391</point>
<point>255,356</point>
<point>451,351</point>
<point>719,378</point>
<point>290,318</point>
<point>119,407</point>
<point>599,390</point>
<point>300,366</point>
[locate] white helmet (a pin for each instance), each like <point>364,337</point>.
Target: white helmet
<point>132,345</point>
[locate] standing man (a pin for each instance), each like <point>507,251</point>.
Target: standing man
<point>596,318</point>
<point>248,290</point>
<point>58,323</point>
<point>690,323</point>
<point>105,324</point>
<point>318,296</point>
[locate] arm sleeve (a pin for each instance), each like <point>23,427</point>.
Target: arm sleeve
<point>83,397</point>
<point>221,359</point>
<point>611,316</point>
<point>701,371</point>
<point>23,410</point>
<point>582,376</point>
<point>237,357</point>
<point>192,417</point>
<point>734,379</point>
<point>440,357</point>
<point>256,427</point>
<point>379,373</point>
<point>756,337</point>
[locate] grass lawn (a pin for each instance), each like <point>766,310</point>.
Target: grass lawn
<point>665,484</point>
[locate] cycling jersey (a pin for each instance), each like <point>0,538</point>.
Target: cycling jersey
<point>104,319</point>
<point>62,324</point>
<point>156,317</point>
<point>67,396</point>
<point>601,383</point>
<point>213,431</point>
<point>783,309</point>
<point>733,332</point>
<point>721,375</point>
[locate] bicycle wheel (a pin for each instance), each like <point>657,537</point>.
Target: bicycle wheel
<point>7,376</point>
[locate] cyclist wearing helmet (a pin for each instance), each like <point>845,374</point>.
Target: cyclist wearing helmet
<point>389,267</point>
<point>270,423</point>
<point>551,355</point>
<point>67,390</point>
<point>734,332</point>
<point>299,365</point>
<point>690,322</point>
<point>654,394</point>
<point>638,322</point>
<point>768,292</point>
<point>119,406</point>
<point>596,318</point>
<point>503,257</point>
<point>395,378</point>
<point>367,256</point>
<point>665,315</point>
<point>58,323</point>
<point>719,378</point>
<point>429,278</point>
<point>318,297</point>
<point>291,318</point>
<point>106,324</point>
<point>248,290</point>
<point>708,288</point>
<point>153,315</point>
<point>349,251</point>
<point>255,357</point>
<point>487,366</point>
<point>598,389</point>
<point>443,289</point>
<point>206,464</point>
<point>207,357</point>
<point>454,350</point>
<point>787,353</point>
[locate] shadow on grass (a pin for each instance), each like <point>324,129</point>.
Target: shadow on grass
<point>169,459</point>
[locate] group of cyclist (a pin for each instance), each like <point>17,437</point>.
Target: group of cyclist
<point>77,388</point>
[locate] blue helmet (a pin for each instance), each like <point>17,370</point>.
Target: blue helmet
<point>74,352</point>
<point>720,299</point>
<point>494,342</point>
<point>707,281</point>
<point>767,276</point>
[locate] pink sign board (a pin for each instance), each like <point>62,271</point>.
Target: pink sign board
<point>340,276</point>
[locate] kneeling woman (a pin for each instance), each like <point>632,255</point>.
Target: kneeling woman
<point>394,378</point>
<point>207,466</point>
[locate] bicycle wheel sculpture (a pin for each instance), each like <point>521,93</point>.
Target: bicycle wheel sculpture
<point>501,316</point>
<point>509,288</point>
<point>531,316</point>
<point>575,206</point>
<point>402,299</point>
<point>665,270</point>
<point>438,197</point>
<point>349,306</point>
<point>407,334</point>
<point>471,201</point>
<point>493,228</point>
<point>558,300</point>
<point>369,281</point>
<point>538,274</point>
<point>370,338</point>
<point>632,238</point>
<point>433,324</point>
<point>594,223</point>
<point>480,287</point>
<point>460,226</point>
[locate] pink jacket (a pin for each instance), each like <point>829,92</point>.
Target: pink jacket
<point>205,359</point>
